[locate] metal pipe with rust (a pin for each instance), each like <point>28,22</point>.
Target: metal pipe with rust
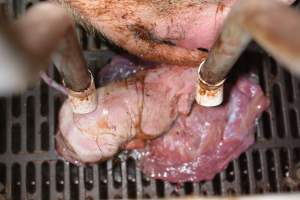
<point>273,25</point>
<point>30,43</point>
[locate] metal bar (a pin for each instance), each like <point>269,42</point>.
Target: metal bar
<point>8,186</point>
<point>23,179</point>
<point>196,188</point>
<point>271,110</point>
<point>70,63</point>
<point>8,125</point>
<point>284,102</point>
<point>111,189</point>
<point>124,176</point>
<point>277,169</point>
<point>24,140</point>
<point>223,184</point>
<point>290,159</point>
<point>207,187</point>
<point>91,45</point>
<point>52,180</point>
<point>37,119</point>
<point>296,92</point>
<point>151,189</point>
<point>26,57</point>
<point>168,189</point>
<point>264,170</point>
<point>138,179</point>
<point>51,114</point>
<point>229,45</point>
<point>254,18</point>
<point>250,170</point>
<point>67,191</point>
<point>237,176</point>
<point>81,189</point>
<point>38,180</point>
<point>95,190</point>
<point>68,58</point>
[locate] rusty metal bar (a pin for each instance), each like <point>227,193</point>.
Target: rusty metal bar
<point>272,24</point>
<point>278,34</point>
<point>31,41</point>
<point>47,27</point>
<point>28,46</point>
<point>56,31</point>
<point>71,64</point>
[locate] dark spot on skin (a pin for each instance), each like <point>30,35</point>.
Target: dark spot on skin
<point>202,49</point>
<point>220,7</point>
<point>124,16</point>
<point>141,32</point>
<point>168,42</point>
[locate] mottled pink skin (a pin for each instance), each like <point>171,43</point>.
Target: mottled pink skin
<point>126,110</point>
<point>144,27</point>
<point>203,143</point>
<point>98,135</point>
<point>197,26</point>
<point>167,92</point>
